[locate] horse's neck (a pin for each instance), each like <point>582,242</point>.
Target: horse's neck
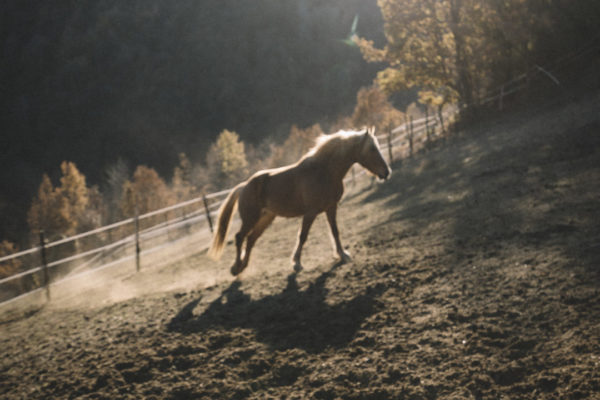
<point>338,164</point>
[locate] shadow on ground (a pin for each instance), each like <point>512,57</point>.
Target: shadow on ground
<point>534,190</point>
<point>291,319</point>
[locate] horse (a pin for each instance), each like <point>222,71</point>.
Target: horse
<point>312,185</point>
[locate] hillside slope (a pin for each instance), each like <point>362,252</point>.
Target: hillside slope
<point>475,275</point>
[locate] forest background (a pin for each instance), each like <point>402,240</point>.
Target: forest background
<point>115,105</point>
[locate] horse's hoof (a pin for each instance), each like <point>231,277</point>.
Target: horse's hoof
<point>298,267</point>
<point>235,271</point>
<point>345,258</point>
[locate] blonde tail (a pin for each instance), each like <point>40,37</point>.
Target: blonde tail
<point>223,220</point>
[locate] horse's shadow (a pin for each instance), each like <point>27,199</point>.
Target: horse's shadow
<point>290,319</point>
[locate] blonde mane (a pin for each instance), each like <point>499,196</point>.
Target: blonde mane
<point>329,145</point>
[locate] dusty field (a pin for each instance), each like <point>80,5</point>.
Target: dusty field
<point>475,274</point>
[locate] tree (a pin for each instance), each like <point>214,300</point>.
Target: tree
<point>298,143</point>
<point>10,267</point>
<point>115,176</point>
<point>75,193</point>
<point>95,214</point>
<point>435,45</point>
<point>146,192</point>
<point>436,101</point>
<point>374,109</point>
<point>342,122</point>
<point>63,210</point>
<point>183,186</point>
<point>48,211</point>
<point>464,50</point>
<point>226,160</point>
<point>259,155</point>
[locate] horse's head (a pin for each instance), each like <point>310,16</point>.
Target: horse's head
<point>370,156</point>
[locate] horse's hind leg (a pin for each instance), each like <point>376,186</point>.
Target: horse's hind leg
<point>335,234</point>
<point>239,241</point>
<point>306,224</point>
<point>262,224</point>
<point>250,217</point>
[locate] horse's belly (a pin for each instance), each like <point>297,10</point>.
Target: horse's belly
<point>288,195</point>
<point>292,204</point>
<point>285,200</point>
<point>285,209</point>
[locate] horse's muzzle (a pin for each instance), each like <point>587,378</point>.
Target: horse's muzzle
<point>385,175</point>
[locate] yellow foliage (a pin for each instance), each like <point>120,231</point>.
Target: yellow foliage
<point>369,51</point>
<point>183,187</point>
<point>298,143</point>
<point>146,192</point>
<point>226,159</point>
<point>430,98</point>
<point>374,109</point>
<point>59,211</point>
<point>433,45</point>
<point>75,192</point>
<point>48,211</point>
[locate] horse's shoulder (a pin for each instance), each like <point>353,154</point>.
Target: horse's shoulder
<point>311,163</point>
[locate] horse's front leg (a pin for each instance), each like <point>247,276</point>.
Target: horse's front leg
<point>335,234</point>
<point>307,221</point>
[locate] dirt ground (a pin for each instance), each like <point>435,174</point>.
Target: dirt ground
<point>475,275</point>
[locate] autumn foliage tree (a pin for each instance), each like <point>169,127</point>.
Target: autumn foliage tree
<point>298,143</point>
<point>145,192</point>
<point>10,267</point>
<point>75,192</point>
<point>60,210</point>
<point>431,44</point>
<point>226,160</point>
<point>47,210</point>
<point>374,109</point>
<point>183,180</point>
<point>462,50</point>
<point>115,177</point>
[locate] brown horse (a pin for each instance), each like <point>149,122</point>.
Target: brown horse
<point>307,188</point>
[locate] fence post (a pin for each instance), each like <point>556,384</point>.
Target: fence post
<point>389,142</point>
<point>137,240</point>
<point>410,136</point>
<point>45,264</point>
<point>208,218</point>
<point>167,226</point>
<point>427,124</point>
<point>185,217</point>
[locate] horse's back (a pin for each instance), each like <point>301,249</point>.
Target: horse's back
<point>294,190</point>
